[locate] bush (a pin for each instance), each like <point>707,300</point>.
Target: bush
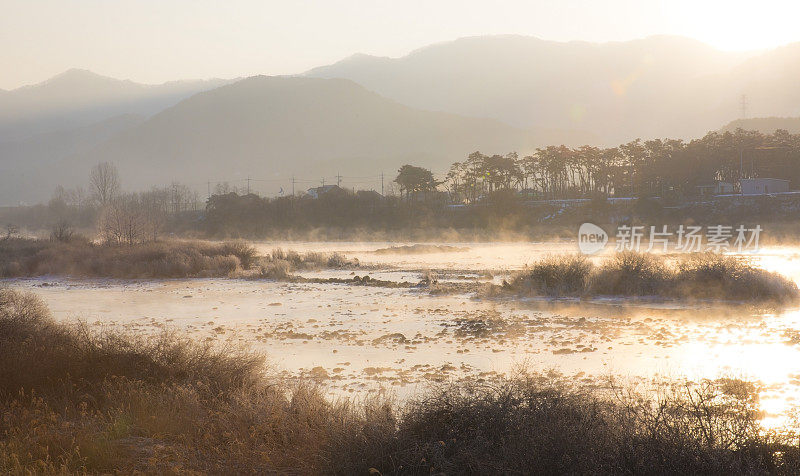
<point>46,357</point>
<point>78,401</point>
<point>533,425</point>
<point>629,273</point>
<point>62,232</point>
<point>337,260</point>
<point>169,259</point>
<point>712,275</point>
<point>276,269</point>
<point>240,249</point>
<point>280,264</point>
<point>555,275</point>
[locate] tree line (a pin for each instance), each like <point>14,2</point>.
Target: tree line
<point>665,168</point>
<point>659,167</point>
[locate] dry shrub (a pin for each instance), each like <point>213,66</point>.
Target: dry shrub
<point>713,275</point>
<point>554,275</point>
<point>76,400</point>
<point>43,356</point>
<point>15,252</point>
<point>276,269</point>
<point>245,253</point>
<point>280,264</point>
<point>169,259</point>
<point>533,425</point>
<point>338,260</point>
<point>290,256</point>
<point>629,273</point>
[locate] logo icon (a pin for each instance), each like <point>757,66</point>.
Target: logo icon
<point>591,238</point>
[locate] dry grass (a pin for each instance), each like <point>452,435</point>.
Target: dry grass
<point>280,264</point>
<point>20,257</point>
<point>629,273</point>
<point>531,424</point>
<point>77,401</point>
<point>711,275</point>
<point>694,276</point>
<point>168,259</point>
<point>554,275</point>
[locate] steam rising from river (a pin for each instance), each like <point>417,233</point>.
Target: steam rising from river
<point>354,338</point>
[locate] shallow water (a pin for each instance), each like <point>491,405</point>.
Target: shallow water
<point>360,338</point>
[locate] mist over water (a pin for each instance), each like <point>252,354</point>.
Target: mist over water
<point>355,339</point>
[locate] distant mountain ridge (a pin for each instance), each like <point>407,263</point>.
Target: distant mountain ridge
<point>273,127</point>
<point>660,86</point>
<point>78,98</point>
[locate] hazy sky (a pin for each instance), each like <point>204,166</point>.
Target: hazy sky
<point>153,41</point>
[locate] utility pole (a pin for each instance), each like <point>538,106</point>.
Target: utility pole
<point>248,185</point>
<point>323,181</point>
<point>741,169</point>
<point>293,185</point>
<point>338,180</point>
<point>209,189</point>
<point>382,183</point>
<point>174,197</point>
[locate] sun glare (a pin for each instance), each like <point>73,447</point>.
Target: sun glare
<point>735,26</point>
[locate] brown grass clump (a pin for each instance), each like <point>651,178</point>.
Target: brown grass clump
<point>554,275</point>
<point>168,259</point>
<point>712,275</point>
<point>21,257</point>
<point>74,355</point>
<point>628,273</point>
<point>311,259</point>
<point>76,401</point>
<point>278,270</point>
<point>280,264</point>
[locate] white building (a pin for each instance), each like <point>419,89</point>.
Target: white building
<point>763,186</point>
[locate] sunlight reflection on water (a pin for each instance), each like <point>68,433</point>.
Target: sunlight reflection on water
<point>358,338</point>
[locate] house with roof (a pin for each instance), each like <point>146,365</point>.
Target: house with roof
<point>319,192</point>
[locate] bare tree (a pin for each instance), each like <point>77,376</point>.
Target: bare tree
<point>77,198</point>
<point>62,232</point>
<point>104,180</point>
<point>124,220</point>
